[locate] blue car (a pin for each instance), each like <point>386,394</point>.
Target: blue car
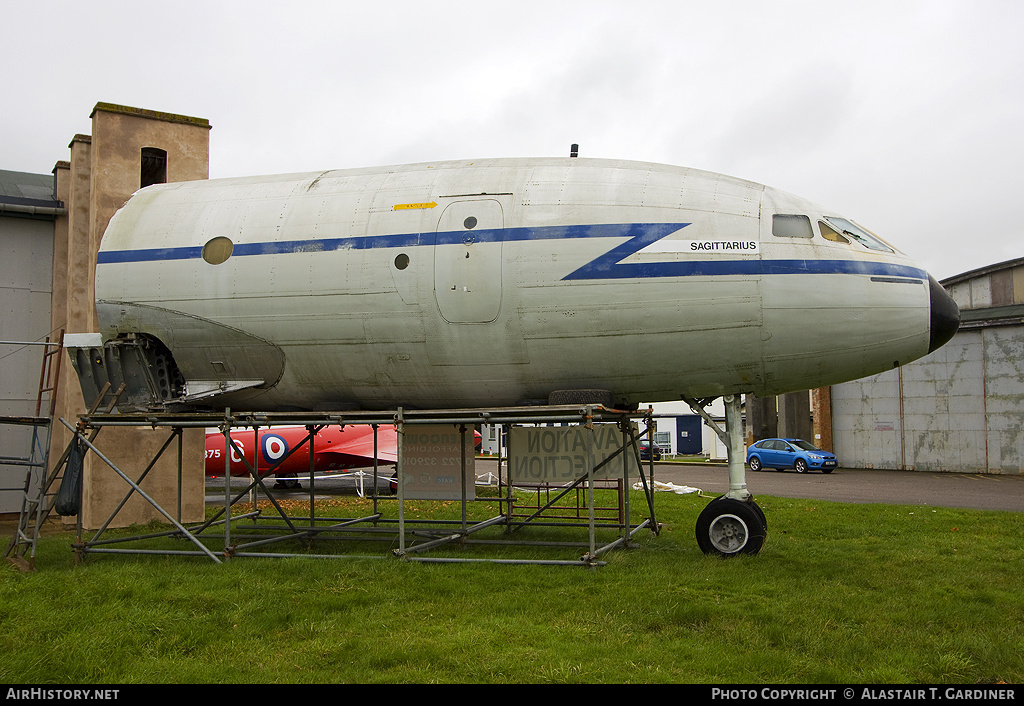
<point>790,453</point>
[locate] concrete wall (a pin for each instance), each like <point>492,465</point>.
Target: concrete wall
<point>103,172</point>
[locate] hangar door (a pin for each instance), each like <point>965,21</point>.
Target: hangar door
<point>467,261</point>
<point>934,414</point>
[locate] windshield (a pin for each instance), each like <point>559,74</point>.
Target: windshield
<point>805,445</point>
<point>854,231</point>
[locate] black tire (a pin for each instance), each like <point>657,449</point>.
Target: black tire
<point>800,465</point>
<point>729,527</point>
<point>755,463</point>
<point>760,514</point>
<point>287,482</point>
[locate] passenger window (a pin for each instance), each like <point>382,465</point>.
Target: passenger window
<point>791,226</point>
<point>830,233</point>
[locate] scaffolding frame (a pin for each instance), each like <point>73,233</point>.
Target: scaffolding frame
<point>36,501</point>
<point>229,527</point>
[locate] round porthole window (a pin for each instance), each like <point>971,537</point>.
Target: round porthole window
<point>402,261</point>
<point>218,250</point>
<point>470,222</point>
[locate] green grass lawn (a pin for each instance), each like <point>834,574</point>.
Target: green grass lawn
<point>840,593</point>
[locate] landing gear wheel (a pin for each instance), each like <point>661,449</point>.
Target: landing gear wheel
<point>800,466</point>
<point>601,397</point>
<point>755,464</point>
<point>287,482</point>
<point>760,514</point>
<point>729,527</point>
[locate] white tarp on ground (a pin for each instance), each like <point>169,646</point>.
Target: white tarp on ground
<point>661,486</point>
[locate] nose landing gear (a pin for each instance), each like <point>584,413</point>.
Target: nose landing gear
<point>732,524</point>
<point>730,527</point>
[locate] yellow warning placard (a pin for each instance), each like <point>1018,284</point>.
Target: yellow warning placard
<point>413,206</point>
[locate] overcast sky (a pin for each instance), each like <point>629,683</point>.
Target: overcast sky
<point>907,116</point>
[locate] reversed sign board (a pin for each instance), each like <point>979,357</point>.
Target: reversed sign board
<point>559,454</point>
<point>432,462</point>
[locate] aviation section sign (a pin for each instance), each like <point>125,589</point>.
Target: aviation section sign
<point>431,462</point>
<point>559,454</point>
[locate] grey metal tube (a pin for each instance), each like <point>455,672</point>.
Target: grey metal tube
<point>54,211</point>
<point>141,492</point>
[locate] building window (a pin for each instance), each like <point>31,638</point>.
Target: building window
<point>154,166</point>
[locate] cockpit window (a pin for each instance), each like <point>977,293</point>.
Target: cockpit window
<point>830,233</point>
<point>791,226</point>
<point>855,232</point>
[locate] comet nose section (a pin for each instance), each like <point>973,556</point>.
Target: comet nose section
<point>945,315</point>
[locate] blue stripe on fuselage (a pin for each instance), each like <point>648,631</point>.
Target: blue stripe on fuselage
<point>606,266</point>
<point>649,231</point>
<point>710,268</point>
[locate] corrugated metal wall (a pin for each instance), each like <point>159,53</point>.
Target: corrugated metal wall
<point>25,284</point>
<point>1004,399</point>
<point>959,409</point>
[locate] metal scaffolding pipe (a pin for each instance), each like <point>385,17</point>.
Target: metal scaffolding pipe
<point>286,526</point>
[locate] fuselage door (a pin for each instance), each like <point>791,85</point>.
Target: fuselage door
<point>467,261</point>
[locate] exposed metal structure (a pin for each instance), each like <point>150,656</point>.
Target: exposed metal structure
<point>235,532</point>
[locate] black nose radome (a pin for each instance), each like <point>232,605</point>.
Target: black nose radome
<point>945,315</point>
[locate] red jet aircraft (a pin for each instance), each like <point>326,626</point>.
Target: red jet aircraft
<point>334,449</point>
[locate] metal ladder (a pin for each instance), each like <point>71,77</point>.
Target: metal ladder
<point>34,508</point>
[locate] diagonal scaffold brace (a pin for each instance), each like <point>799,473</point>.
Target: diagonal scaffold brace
<point>138,489</point>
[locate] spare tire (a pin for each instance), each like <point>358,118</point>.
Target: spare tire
<point>564,397</point>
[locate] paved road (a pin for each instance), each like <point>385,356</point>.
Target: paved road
<point>850,485</point>
<point>855,485</point>
<point>858,485</point>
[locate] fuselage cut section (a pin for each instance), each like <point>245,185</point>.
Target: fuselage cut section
<point>500,282</point>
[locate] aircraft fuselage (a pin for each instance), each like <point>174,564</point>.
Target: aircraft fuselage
<point>500,282</point>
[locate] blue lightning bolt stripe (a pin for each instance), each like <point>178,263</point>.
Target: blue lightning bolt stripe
<point>711,268</point>
<point>609,265</point>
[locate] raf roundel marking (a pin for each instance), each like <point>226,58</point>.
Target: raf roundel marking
<point>274,448</point>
